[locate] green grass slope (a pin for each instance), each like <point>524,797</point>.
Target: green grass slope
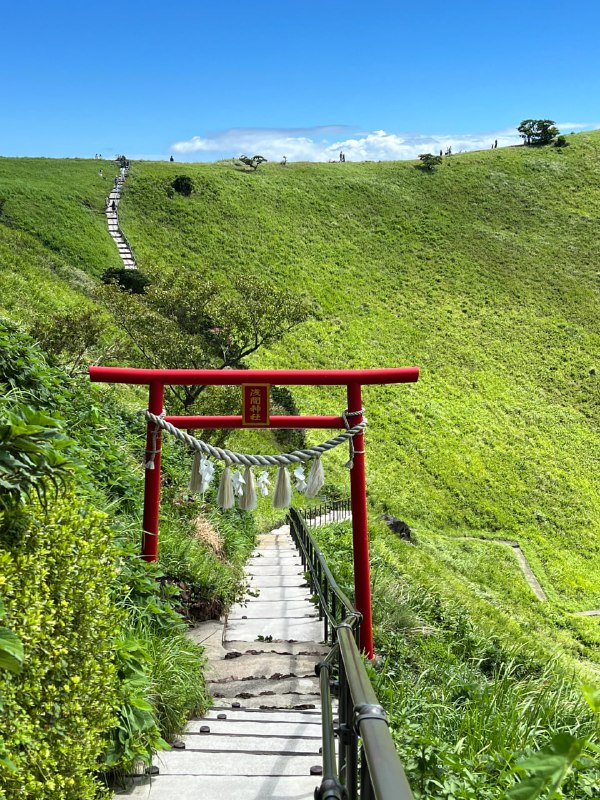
<point>485,274</point>
<point>53,232</point>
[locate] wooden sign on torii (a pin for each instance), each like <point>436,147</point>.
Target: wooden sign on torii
<point>157,379</point>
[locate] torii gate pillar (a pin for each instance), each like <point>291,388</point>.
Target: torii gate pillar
<point>360,525</point>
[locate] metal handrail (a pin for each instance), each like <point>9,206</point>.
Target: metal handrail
<point>381,770</point>
<point>334,605</point>
<point>368,764</point>
<point>338,509</point>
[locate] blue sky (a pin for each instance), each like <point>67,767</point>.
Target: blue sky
<point>206,80</point>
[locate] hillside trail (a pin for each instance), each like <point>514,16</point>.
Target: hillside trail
<point>527,571</point>
<point>261,738</point>
<point>112,219</point>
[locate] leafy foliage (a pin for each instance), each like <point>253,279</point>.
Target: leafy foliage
<point>429,162</point>
<point>183,185</point>
<point>11,659</point>
<point>30,457</point>
<point>548,769</point>
<point>538,131</point>
<point>23,370</point>
<point>463,702</point>
<point>131,279</point>
<point>253,162</point>
<point>205,323</point>
<point>152,675</point>
<point>55,567</point>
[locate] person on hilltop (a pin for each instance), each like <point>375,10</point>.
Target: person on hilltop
<point>171,159</point>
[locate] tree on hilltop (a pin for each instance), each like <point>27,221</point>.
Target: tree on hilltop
<point>537,132</point>
<point>253,162</point>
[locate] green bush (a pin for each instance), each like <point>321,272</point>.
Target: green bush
<point>55,566</point>
<point>132,280</point>
<point>183,185</point>
<point>23,370</point>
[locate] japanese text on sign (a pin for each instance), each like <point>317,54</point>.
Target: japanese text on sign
<point>256,405</point>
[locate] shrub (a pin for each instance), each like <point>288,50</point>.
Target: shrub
<point>30,442</point>
<point>132,280</point>
<point>55,567</point>
<point>429,162</point>
<point>183,185</point>
<point>23,370</point>
<point>561,141</point>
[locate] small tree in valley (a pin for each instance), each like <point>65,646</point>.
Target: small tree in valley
<point>203,324</point>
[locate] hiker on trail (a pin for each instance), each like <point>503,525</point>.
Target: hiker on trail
<point>441,154</point>
<point>495,143</point>
<point>116,182</point>
<point>113,206</point>
<point>171,159</point>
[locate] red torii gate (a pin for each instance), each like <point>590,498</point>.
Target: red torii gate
<point>157,379</point>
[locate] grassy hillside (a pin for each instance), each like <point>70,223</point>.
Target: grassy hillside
<point>53,234</point>
<point>485,274</point>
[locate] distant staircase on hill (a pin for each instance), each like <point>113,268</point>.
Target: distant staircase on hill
<point>112,218</point>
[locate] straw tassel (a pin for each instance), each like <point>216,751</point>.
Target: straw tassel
<point>316,479</point>
<point>283,489</point>
<point>225,498</point>
<point>196,479</point>
<point>248,498</point>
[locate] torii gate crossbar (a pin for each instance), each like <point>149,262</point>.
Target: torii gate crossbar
<point>157,379</point>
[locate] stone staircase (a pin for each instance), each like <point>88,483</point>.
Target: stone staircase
<point>112,219</point>
<point>262,737</point>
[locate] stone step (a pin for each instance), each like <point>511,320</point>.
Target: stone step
<point>274,552</point>
<point>256,715</point>
<point>257,609</point>
<point>186,762</point>
<point>222,787</point>
<point>272,593</point>
<point>273,702</point>
<point>276,561</point>
<point>283,648</point>
<point>277,579</point>
<point>243,743</point>
<point>274,569</point>
<point>269,666</point>
<point>310,731</point>
<point>300,629</point>
<point>261,689</point>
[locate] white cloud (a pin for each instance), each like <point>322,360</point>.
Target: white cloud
<point>565,127</point>
<point>322,144</point>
